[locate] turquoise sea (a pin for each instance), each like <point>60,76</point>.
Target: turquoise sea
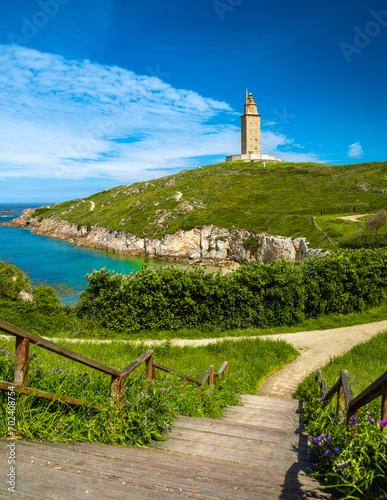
<point>55,262</point>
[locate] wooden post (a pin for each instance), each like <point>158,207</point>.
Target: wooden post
<point>21,361</point>
<point>117,388</point>
<point>383,413</point>
<point>211,378</point>
<point>324,387</point>
<point>340,400</point>
<point>150,369</point>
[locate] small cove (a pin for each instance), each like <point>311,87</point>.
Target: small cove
<point>55,262</point>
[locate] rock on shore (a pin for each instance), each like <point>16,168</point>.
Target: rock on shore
<point>208,244</point>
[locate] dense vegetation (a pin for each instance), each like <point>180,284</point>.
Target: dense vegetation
<point>352,459</point>
<point>278,199</point>
<point>146,410</point>
<point>282,293</point>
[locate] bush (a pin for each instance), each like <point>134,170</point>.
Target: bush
<point>282,293</point>
<point>46,300</point>
<point>12,282</point>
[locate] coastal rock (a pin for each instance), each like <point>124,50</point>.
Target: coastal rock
<point>25,296</point>
<point>207,244</point>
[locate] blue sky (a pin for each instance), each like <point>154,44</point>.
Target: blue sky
<point>96,93</point>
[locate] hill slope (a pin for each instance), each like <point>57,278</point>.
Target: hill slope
<point>278,199</point>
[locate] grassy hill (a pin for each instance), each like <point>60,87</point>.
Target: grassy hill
<point>280,199</point>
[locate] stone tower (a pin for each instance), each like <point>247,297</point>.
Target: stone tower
<point>251,127</point>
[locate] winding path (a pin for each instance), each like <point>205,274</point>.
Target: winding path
<point>316,348</point>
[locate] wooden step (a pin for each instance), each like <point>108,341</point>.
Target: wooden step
<point>241,443</point>
<point>70,471</point>
<point>243,429</point>
<point>255,451</point>
<point>252,398</point>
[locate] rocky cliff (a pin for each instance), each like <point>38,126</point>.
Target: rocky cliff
<point>210,243</point>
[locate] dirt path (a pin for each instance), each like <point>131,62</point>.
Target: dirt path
<point>353,217</point>
<point>316,347</point>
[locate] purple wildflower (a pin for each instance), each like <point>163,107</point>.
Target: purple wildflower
<point>371,420</point>
<point>337,449</point>
<point>2,350</point>
<point>343,466</point>
<point>127,402</point>
<point>368,413</point>
<point>10,354</point>
<point>382,423</point>
<point>35,371</point>
<point>354,420</point>
<point>328,439</point>
<point>327,453</point>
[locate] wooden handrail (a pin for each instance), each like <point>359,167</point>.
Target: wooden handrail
<point>136,363</point>
<point>50,346</point>
<point>347,405</point>
<point>23,338</point>
<point>371,392</point>
<point>209,375</point>
<point>7,386</point>
<point>170,370</point>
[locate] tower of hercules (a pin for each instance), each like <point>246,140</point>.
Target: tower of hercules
<point>251,127</point>
<point>251,136</point>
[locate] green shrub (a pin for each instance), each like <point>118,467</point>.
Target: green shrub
<point>282,293</point>
<point>46,300</point>
<point>250,244</point>
<point>365,241</point>
<point>12,282</point>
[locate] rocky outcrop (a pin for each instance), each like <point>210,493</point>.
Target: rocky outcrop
<point>210,243</point>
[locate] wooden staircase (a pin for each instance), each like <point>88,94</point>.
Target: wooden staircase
<point>257,451</point>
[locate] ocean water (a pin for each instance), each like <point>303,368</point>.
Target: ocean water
<point>55,262</point>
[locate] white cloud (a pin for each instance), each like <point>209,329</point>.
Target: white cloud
<point>77,119</point>
<point>355,150</point>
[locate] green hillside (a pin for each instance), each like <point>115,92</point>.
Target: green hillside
<point>280,199</point>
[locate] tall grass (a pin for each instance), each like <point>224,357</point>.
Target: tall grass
<point>354,459</point>
<point>147,410</point>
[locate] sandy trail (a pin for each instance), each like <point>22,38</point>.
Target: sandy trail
<point>316,347</point>
<point>352,217</point>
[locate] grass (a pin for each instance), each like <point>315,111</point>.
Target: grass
<point>65,324</point>
<point>278,199</point>
<point>146,410</point>
<point>352,459</point>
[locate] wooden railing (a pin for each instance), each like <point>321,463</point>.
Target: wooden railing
<point>20,383</point>
<point>347,405</point>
